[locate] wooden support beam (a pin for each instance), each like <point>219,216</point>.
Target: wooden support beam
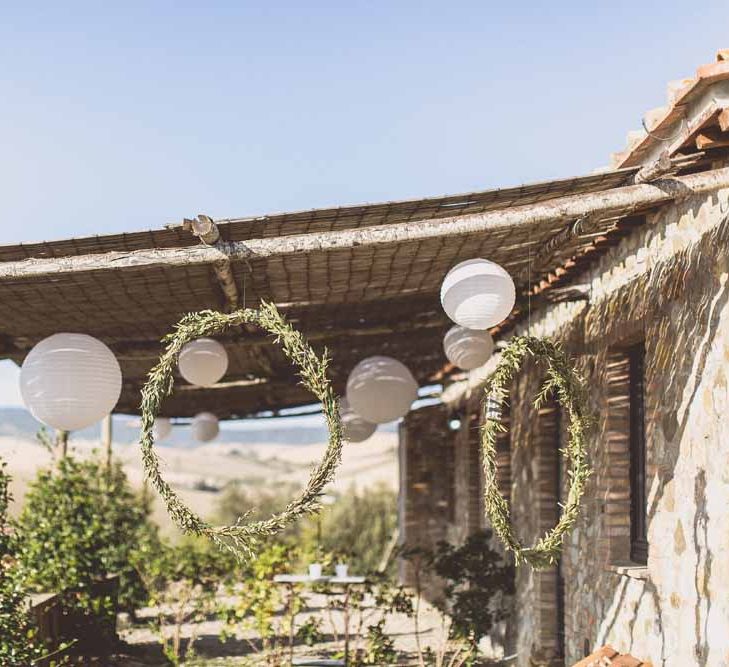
<point>724,120</point>
<point>544,259</point>
<point>207,231</point>
<point>231,384</point>
<point>152,349</point>
<point>107,434</point>
<point>711,137</point>
<point>226,280</point>
<point>203,227</point>
<point>615,202</point>
<point>656,169</point>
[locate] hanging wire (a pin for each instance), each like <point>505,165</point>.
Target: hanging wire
<point>683,124</point>
<point>529,290</point>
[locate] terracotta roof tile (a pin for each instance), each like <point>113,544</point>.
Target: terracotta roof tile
<point>607,656</point>
<point>662,121</point>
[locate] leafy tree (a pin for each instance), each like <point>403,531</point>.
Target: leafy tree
<point>18,642</point>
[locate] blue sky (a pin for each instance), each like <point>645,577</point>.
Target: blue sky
<point>130,117</point>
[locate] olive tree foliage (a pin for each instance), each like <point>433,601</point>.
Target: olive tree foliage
<point>18,642</point>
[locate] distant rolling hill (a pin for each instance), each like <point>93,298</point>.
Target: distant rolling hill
<point>18,423</point>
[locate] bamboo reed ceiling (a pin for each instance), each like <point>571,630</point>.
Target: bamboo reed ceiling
<point>356,301</point>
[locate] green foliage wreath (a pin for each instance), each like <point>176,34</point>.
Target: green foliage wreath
<point>565,382</point>
<point>241,537</point>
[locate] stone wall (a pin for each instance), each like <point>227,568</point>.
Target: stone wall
<point>426,483</point>
<point>667,284</point>
<point>468,516</point>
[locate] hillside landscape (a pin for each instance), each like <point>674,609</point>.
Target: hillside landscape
<point>252,456</point>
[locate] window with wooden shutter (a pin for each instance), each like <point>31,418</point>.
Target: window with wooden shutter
<point>638,495</point>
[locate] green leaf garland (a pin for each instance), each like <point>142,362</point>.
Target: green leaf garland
<point>241,538</point>
<point>565,382</point>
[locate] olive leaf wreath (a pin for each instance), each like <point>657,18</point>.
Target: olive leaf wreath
<point>565,382</point>
<point>241,538</point>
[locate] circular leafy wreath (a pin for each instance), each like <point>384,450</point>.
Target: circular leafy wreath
<point>241,537</point>
<point>565,382</point>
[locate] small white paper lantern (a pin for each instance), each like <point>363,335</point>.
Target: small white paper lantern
<point>203,362</point>
<point>162,429</point>
<point>381,389</point>
<point>70,381</point>
<point>468,348</point>
<point>355,428</point>
<point>477,294</point>
<point>205,427</point>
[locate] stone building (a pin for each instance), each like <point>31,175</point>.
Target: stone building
<point>646,317</point>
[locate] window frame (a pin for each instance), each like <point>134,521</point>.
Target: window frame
<point>638,455</point>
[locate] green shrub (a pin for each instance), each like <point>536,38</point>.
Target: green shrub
<point>356,529</point>
<point>379,646</point>
<point>310,631</point>
<point>264,608</point>
<point>241,499</point>
<point>18,643</point>
<point>80,524</point>
<point>478,582</point>
<point>183,580</point>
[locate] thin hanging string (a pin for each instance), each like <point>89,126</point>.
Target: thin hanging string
<point>529,290</point>
<point>682,124</point>
<point>245,275</point>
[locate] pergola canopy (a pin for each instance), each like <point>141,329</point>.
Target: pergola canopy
<point>355,295</point>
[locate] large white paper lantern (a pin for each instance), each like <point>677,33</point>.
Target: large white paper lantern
<point>205,427</point>
<point>381,389</point>
<point>477,294</point>
<point>468,348</point>
<point>355,428</point>
<point>162,429</point>
<point>203,362</point>
<point>70,381</point>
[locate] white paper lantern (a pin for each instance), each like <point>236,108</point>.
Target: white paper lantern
<point>162,429</point>
<point>355,428</point>
<point>203,362</point>
<point>477,294</point>
<point>70,381</point>
<point>205,427</point>
<point>468,348</point>
<point>381,389</point>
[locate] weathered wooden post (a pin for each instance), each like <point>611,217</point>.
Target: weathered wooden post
<point>107,432</point>
<point>61,444</point>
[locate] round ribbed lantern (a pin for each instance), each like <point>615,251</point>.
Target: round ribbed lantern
<point>477,294</point>
<point>162,429</point>
<point>355,428</point>
<point>70,381</point>
<point>381,389</point>
<point>203,362</point>
<point>205,427</point>
<point>468,348</point>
